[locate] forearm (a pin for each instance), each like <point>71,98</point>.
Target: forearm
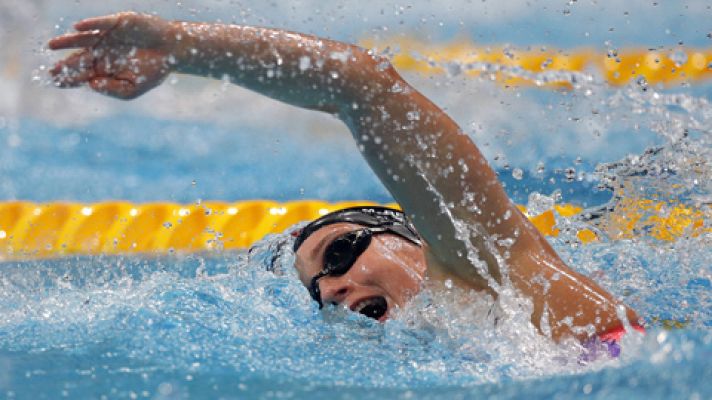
<point>298,69</point>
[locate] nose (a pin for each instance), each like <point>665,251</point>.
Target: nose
<point>334,289</point>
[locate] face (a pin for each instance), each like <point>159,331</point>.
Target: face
<point>390,269</point>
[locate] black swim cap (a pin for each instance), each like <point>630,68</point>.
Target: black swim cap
<point>393,220</point>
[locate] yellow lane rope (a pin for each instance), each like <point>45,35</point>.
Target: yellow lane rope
<point>666,67</point>
<point>32,230</point>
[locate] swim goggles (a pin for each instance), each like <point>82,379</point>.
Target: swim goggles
<point>341,254</point>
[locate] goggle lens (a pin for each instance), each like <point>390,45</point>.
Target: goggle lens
<point>339,256</point>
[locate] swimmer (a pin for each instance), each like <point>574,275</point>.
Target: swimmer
<point>458,224</point>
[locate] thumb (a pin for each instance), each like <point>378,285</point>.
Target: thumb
<point>126,85</point>
<point>115,87</point>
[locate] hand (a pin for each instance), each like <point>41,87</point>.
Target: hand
<point>121,55</point>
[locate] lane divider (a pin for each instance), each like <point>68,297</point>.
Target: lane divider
<point>617,67</point>
<point>45,230</point>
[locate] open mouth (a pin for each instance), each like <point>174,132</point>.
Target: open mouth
<point>373,307</point>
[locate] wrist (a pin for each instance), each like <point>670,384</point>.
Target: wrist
<point>181,46</point>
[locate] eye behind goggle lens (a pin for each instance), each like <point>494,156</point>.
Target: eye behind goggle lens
<point>341,253</point>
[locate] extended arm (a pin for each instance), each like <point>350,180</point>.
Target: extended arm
<point>432,169</point>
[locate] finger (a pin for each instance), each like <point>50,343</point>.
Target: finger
<point>102,23</point>
<point>75,40</point>
<point>74,70</point>
<point>119,88</point>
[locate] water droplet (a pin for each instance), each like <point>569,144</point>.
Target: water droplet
<point>342,56</point>
<point>642,82</point>
<point>570,174</point>
<point>304,63</point>
<point>679,57</point>
<point>540,168</point>
<point>454,69</point>
<point>517,173</point>
<point>587,388</point>
<point>507,215</point>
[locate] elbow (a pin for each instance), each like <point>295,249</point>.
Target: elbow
<point>370,76</point>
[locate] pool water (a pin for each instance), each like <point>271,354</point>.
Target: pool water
<point>219,325</point>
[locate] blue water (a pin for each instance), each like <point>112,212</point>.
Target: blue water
<point>220,326</point>
<point>149,159</point>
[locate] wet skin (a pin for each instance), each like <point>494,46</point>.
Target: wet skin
<point>391,267</point>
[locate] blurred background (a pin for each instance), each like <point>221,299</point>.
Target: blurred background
<point>196,139</point>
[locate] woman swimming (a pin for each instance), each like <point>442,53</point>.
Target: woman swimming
<point>458,222</point>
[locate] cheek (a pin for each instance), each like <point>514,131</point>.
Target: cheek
<point>399,271</point>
